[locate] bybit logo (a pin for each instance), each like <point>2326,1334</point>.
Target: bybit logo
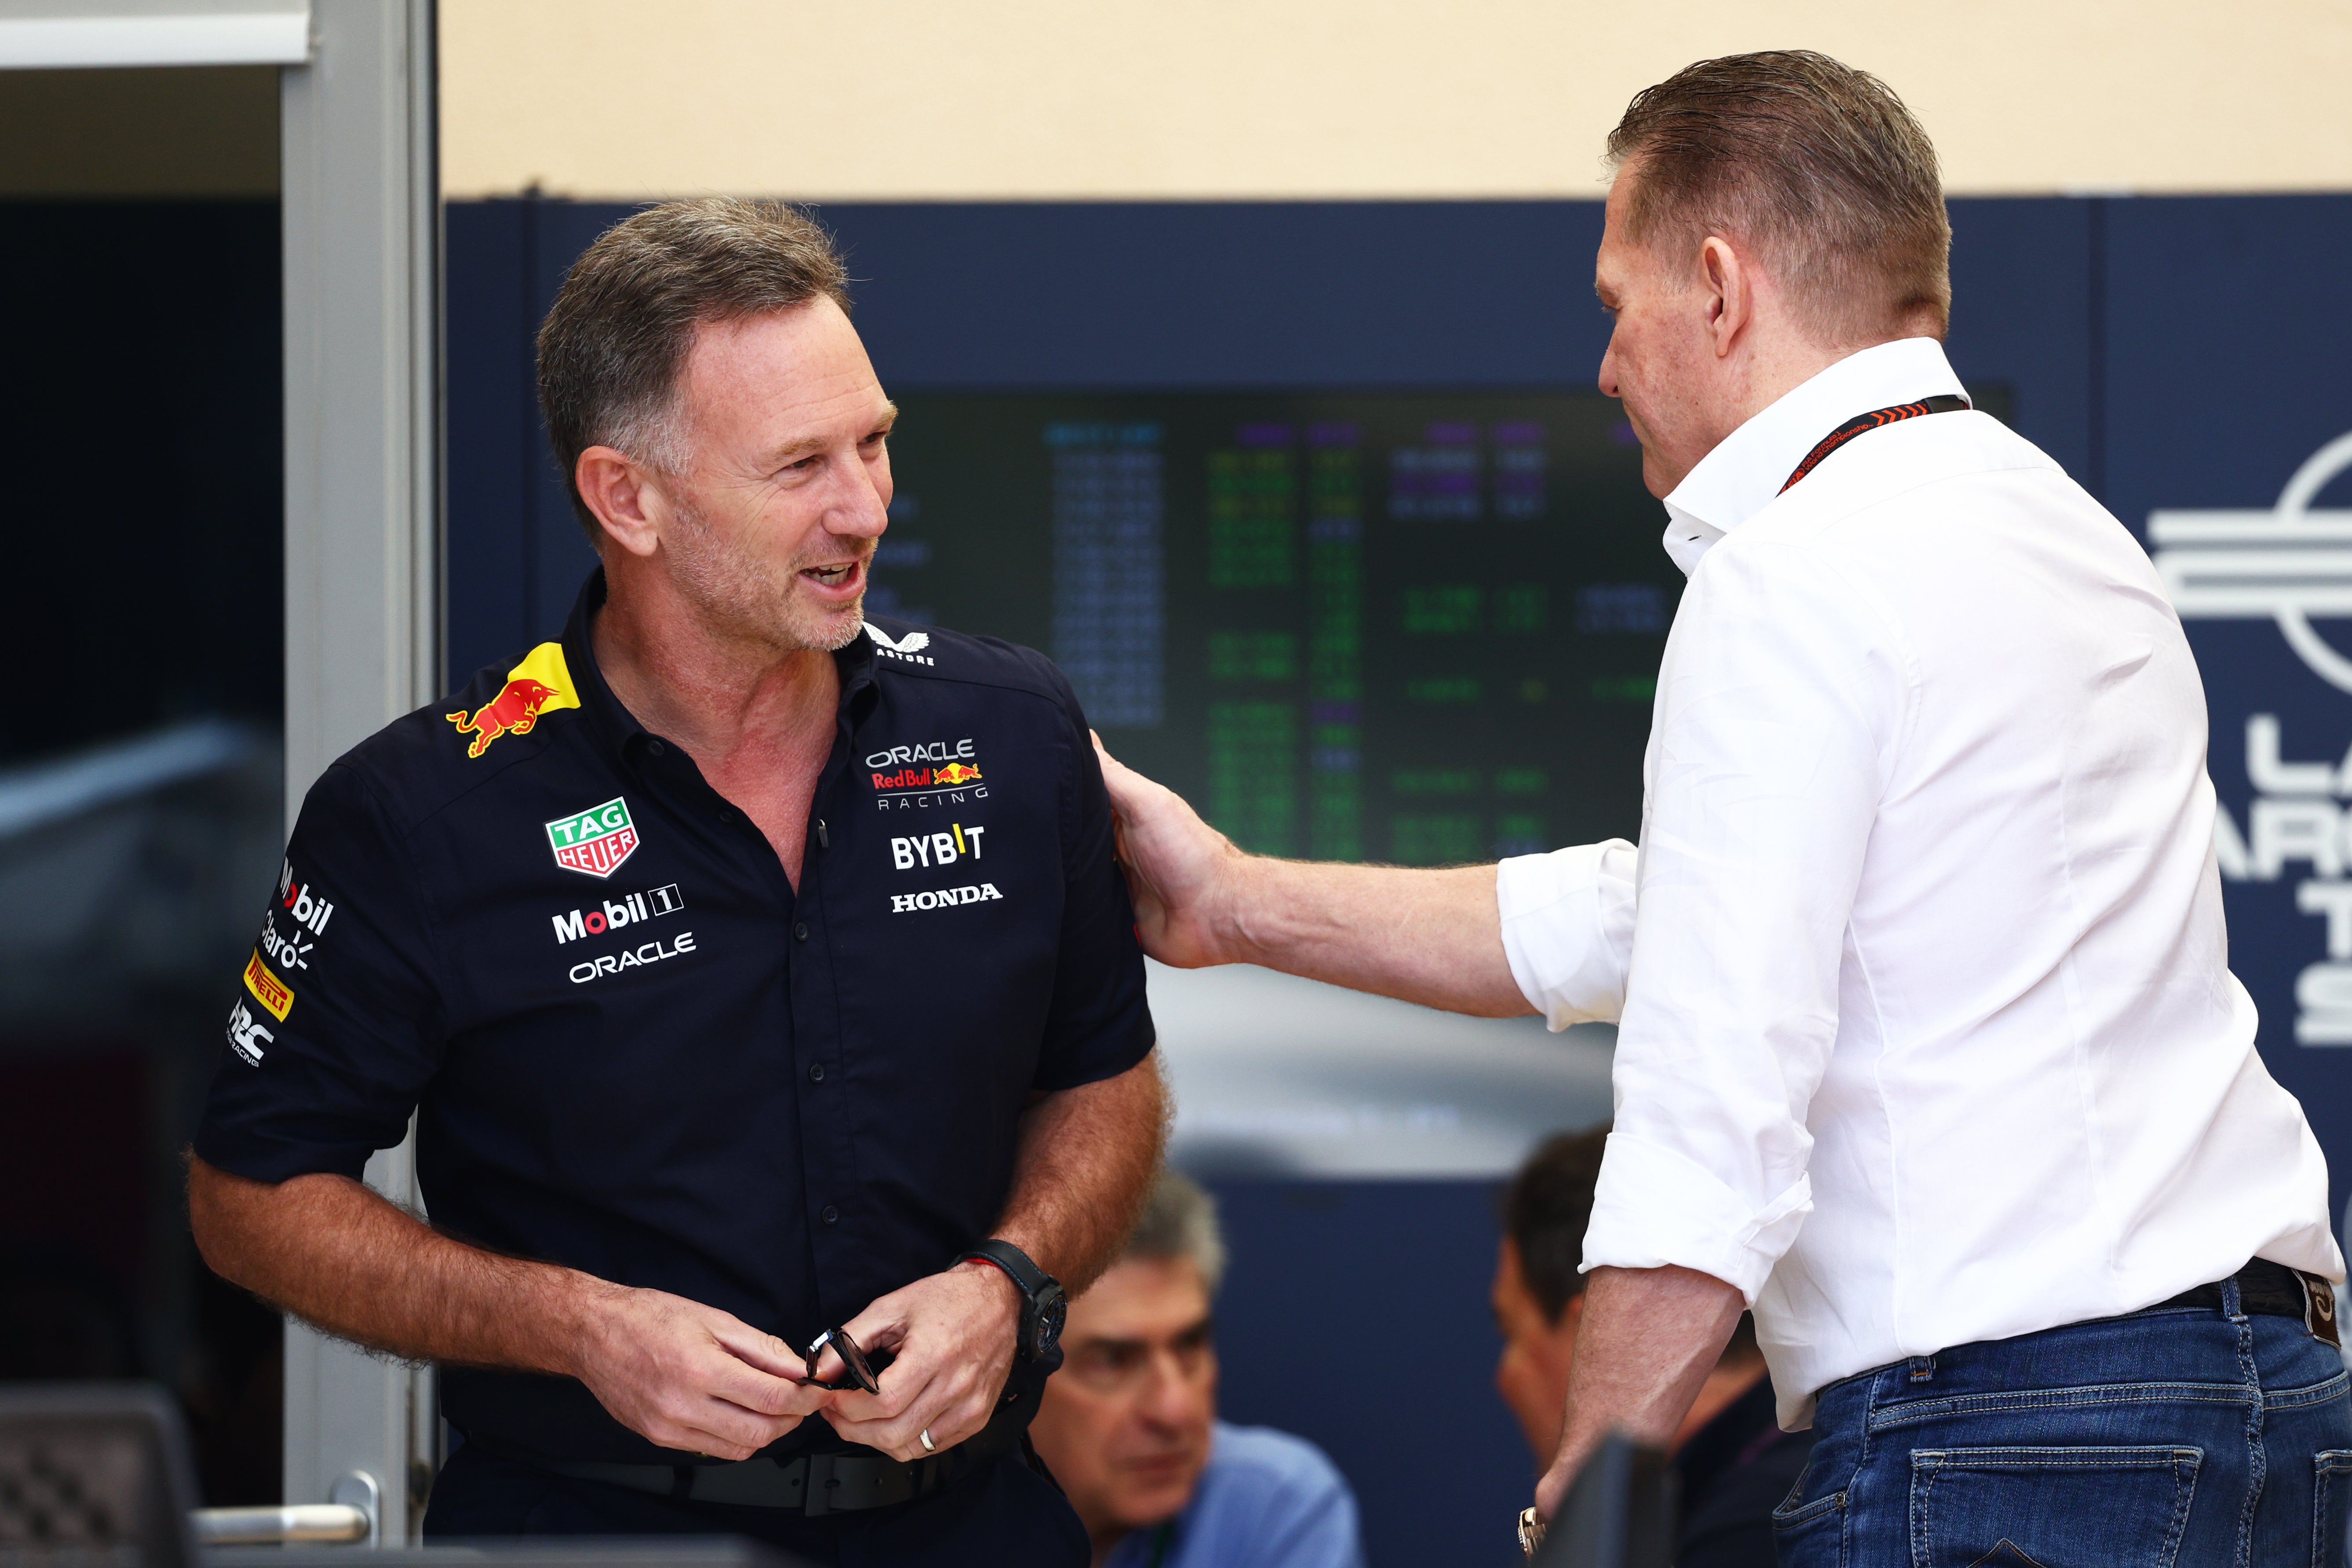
<point>937,848</point>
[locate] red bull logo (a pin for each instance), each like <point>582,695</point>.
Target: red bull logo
<point>511,712</point>
<point>955,773</point>
<point>539,684</point>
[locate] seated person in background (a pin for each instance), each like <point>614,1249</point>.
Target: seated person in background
<point>1129,1427</point>
<point>1734,1461</point>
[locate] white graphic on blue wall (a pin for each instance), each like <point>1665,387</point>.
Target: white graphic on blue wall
<point>2285,564</point>
<point>2288,565</point>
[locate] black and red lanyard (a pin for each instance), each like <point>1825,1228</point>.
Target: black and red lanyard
<point>1942,402</point>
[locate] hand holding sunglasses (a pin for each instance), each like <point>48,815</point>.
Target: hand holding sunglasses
<point>856,1372</point>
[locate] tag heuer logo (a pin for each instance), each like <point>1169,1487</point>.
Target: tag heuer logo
<point>596,841</point>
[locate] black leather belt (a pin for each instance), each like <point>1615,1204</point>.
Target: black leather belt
<point>812,1483</point>
<point>2271,1289</point>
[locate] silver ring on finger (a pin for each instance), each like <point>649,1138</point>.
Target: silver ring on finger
<point>928,1447</point>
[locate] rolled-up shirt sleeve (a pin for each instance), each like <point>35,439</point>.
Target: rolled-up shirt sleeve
<point>1782,695</point>
<point>1568,928</point>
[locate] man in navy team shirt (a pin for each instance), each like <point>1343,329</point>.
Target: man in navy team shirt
<point>754,975</point>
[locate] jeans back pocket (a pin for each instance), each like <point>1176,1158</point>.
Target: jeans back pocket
<point>2050,1507</point>
<point>2331,1498</point>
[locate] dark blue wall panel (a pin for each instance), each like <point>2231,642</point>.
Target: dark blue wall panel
<point>2022,287</point>
<point>516,556</point>
<point>1355,1314</point>
<point>1227,295</point>
<point>2228,333</point>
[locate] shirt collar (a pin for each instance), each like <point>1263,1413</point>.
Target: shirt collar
<point>615,725</point>
<point>1748,466</point>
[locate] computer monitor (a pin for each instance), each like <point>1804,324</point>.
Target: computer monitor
<point>1418,627</point>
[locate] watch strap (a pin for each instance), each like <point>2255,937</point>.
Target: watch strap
<point>1041,1294</point>
<point>1018,1265</point>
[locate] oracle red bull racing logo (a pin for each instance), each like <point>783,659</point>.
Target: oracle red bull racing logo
<point>916,775</point>
<point>594,841</point>
<point>539,684</point>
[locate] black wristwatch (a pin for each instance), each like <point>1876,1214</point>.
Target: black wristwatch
<point>1044,1308</point>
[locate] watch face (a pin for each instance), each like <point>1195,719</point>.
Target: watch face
<point>1051,1315</point>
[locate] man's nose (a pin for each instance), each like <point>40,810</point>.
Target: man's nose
<point>861,511</point>
<point>1170,1398</point>
<point>1608,378</point>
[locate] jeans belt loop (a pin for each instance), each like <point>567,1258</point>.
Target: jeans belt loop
<point>2232,1307</point>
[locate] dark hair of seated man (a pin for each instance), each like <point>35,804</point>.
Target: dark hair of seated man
<point>1734,1461</point>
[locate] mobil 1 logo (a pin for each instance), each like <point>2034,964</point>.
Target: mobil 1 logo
<point>630,908</point>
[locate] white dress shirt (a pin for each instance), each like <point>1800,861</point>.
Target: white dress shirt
<point>1928,1035</point>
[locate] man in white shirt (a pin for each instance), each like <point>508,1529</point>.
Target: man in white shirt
<point>1929,1050</point>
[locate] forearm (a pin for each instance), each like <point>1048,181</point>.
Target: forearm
<point>334,1253</point>
<point>1644,1343</point>
<point>1084,1159</point>
<point>1434,937</point>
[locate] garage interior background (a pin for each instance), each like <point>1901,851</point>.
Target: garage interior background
<point>1289,198</point>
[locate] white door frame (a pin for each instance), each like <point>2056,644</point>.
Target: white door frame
<point>364,598</point>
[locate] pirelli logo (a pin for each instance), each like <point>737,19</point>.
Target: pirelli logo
<point>267,989</point>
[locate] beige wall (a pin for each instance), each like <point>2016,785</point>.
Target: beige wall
<point>965,99</point>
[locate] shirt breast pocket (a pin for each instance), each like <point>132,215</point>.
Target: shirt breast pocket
<point>959,935</point>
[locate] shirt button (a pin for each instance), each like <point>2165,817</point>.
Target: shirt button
<point>817,1072</point>
<point>655,747</point>
<point>800,932</point>
<point>829,1215</point>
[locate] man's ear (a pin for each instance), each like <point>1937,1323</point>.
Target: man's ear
<point>622,498</point>
<point>1730,292</point>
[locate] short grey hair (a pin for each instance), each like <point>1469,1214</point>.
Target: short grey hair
<point>1179,1220</point>
<point>611,351</point>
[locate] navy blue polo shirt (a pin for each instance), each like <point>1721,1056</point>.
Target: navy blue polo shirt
<point>632,1047</point>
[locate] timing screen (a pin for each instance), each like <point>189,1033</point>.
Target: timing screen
<point>1409,628</point>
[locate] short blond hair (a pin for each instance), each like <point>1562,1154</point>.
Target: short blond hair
<point>1817,166</point>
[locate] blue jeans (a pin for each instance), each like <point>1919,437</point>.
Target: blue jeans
<point>2190,1437</point>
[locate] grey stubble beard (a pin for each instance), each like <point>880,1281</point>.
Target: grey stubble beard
<point>745,598</point>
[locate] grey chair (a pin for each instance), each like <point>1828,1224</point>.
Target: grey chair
<point>93,1476</point>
